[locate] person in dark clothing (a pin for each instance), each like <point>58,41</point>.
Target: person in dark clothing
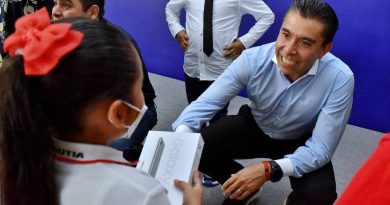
<point>94,9</point>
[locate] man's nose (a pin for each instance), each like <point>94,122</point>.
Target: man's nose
<point>56,13</point>
<point>291,47</point>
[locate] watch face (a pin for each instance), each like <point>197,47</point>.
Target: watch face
<point>276,171</point>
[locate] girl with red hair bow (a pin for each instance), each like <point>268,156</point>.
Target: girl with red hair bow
<point>67,90</point>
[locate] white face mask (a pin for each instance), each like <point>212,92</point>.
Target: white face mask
<point>131,128</point>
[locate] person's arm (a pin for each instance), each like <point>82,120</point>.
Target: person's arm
<point>172,12</point>
<point>264,18</point>
<point>226,87</point>
<point>331,122</point>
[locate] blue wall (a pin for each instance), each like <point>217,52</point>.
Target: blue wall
<point>362,41</point>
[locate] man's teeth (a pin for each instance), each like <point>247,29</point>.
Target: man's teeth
<point>286,61</point>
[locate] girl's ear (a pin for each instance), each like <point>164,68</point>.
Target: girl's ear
<point>118,114</point>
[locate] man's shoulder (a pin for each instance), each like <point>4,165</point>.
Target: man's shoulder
<point>264,47</point>
<point>267,49</point>
<point>332,62</point>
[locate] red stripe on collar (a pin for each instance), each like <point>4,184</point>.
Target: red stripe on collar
<point>74,161</point>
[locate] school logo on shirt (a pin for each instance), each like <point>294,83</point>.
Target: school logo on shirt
<point>70,153</point>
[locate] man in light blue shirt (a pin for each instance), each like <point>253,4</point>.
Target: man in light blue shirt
<point>300,101</point>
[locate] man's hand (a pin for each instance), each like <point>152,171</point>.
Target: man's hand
<point>234,49</point>
<point>192,195</point>
<point>182,38</point>
<point>245,182</point>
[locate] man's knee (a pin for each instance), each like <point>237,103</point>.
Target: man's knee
<point>213,147</point>
<point>316,188</point>
<point>212,134</point>
<point>322,196</point>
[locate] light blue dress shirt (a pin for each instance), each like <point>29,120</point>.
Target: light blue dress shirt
<point>317,104</point>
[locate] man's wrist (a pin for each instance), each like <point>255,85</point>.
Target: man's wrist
<point>267,170</point>
<point>178,33</point>
<point>276,172</point>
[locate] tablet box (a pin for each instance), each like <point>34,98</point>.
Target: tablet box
<point>171,155</point>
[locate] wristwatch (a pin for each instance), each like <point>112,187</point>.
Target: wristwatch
<point>276,171</point>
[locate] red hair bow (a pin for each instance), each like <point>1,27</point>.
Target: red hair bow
<point>41,43</point>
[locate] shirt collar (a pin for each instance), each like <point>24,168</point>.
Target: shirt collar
<point>312,71</point>
<point>81,153</point>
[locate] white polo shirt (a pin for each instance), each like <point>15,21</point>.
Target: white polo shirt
<point>96,174</point>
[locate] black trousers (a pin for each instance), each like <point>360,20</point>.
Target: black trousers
<point>195,88</point>
<point>239,137</point>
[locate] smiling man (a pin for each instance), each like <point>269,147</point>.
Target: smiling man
<point>94,9</point>
<point>300,102</point>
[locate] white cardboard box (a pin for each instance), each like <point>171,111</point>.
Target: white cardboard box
<point>170,155</point>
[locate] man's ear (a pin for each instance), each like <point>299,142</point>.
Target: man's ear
<point>326,48</point>
<point>93,12</point>
<point>117,114</point>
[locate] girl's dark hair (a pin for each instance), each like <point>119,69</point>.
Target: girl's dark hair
<point>33,110</point>
<point>321,11</point>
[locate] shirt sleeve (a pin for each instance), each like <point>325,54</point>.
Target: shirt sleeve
<point>332,120</point>
<point>172,12</point>
<point>183,128</point>
<point>264,18</point>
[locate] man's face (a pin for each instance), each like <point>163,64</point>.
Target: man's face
<point>299,44</point>
<point>67,9</point>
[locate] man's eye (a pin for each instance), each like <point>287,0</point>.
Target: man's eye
<point>305,43</point>
<point>66,6</point>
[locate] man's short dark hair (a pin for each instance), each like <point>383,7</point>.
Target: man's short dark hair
<point>88,3</point>
<point>318,10</point>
